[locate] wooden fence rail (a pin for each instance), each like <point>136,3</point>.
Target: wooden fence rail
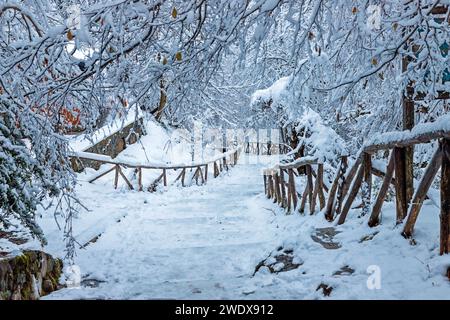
<point>266,148</point>
<point>337,200</point>
<point>188,173</point>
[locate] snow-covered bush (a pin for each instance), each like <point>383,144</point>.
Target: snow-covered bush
<point>319,139</point>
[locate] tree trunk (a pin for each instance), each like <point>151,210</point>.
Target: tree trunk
<point>445,197</point>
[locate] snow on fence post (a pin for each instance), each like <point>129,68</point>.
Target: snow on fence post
<point>445,197</point>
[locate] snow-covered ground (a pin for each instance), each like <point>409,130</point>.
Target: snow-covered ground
<point>196,242</point>
<point>205,242</point>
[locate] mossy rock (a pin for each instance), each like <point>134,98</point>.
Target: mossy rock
<point>23,276</point>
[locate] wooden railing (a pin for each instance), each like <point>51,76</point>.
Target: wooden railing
<point>266,148</point>
<point>188,172</point>
<point>348,182</point>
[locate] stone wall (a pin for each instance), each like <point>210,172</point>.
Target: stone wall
<point>111,145</point>
<point>29,276</point>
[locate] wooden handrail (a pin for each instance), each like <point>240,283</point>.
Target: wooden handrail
<point>300,162</point>
<point>108,160</point>
<point>422,133</point>
<point>200,173</point>
<point>349,181</point>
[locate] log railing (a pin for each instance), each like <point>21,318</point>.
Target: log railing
<point>266,148</point>
<point>279,183</point>
<point>349,181</point>
<point>188,173</point>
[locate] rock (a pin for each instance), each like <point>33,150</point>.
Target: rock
<point>282,261</point>
<point>368,237</point>
<point>47,286</point>
<point>111,145</point>
<point>326,289</point>
<point>344,271</point>
<point>29,275</point>
<point>91,283</point>
<point>325,237</point>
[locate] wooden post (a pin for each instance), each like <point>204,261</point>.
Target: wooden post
<point>206,172</point>
<point>317,186</point>
<point>421,192</point>
<point>319,181</point>
<point>292,188</point>
<point>270,193</point>
<point>200,172</point>
<point>343,185</point>
<point>125,179</point>
<point>367,190</point>
<point>140,179</point>
<point>183,175</point>
<point>102,174</point>
<point>329,211</point>
<point>265,183</point>
<point>216,170</point>
<point>116,178</point>
<point>283,191</point>
<point>352,195</point>
<point>339,181</point>
<point>310,188</point>
<point>289,198</point>
<point>400,184</point>
<point>164,178</point>
<point>304,196</point>
<point>374,217</point>
<point>445,197</point>
<point>408,124</point>
<point>349,177</point>
<point>277,188</point>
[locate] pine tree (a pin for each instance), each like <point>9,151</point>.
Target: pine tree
<point>19,196</point>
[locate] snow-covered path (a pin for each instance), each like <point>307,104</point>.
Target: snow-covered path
<point>197,242</point>
<point>205,242</point>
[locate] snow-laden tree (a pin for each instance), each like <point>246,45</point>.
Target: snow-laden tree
<point>355,62</point>
<point>100,59</point>
<point>182,61</point>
